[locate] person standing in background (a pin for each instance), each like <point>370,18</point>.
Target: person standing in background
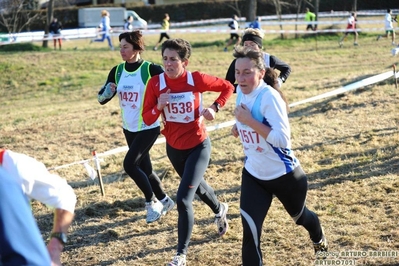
<point>310,17</point>
<point>255,24</point>
<point>164,31</point>
<point>55,30</point>
<point>105,28</point>
<point>234,36</point>
<point>50,189</point>
<point>128,24</point>
<point>350,29</point>
<point>389,28</point>
<point>128,82</point>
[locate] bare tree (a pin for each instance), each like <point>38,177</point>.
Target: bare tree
<point>16,15</point>
<point>236,8</point>
<point>50,14</point>
<point>316,6</point>
<point>252,8</point>
<point>278,4</point>
<point>299,4</point>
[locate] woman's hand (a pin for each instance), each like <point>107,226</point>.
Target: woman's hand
<point>163,100</point>
<point>234,131</point>
<point>208,114</point>
<point>243,114</point>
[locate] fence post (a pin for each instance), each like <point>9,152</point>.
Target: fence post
<point>98,169</point>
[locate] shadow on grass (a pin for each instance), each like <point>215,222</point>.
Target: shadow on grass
<point>22,47</point>
<point>95,224</point>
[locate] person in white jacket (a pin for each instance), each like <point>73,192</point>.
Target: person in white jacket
<point>389,28</point>
<point>270,168</point>
<point>50,189</point>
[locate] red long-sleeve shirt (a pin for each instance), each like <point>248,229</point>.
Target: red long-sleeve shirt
<point>184,136</point>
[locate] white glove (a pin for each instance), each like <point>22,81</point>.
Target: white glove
<point>107,93</point>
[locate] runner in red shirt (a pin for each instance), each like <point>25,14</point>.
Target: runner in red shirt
<point>350,28</point>
<point>176,95</point>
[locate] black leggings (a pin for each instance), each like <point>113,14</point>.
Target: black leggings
<point>163,35</point>
<point>191,165</point>
<point>137,163</point>
<point>255,201</point>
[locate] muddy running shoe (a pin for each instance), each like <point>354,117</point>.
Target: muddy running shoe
<point>321,247</point>
<point>168,205</point>
<point>154,210</point>
<point>178,260</point>
<point>221,220</point>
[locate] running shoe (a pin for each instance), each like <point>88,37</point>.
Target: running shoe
<point>154,210</point>
<point>321,247</point>
<point>221,220</point>
<point>340,44</point>
<point>178,260</point>
<point>168,205</point>
<point>378,38</point>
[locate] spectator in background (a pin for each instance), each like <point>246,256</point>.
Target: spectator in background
<point>350,28</point>
<point>252,39</point>
<point>164,32</point>
<point>128,24</point>
<point>50,189</point>
<point>389,28</point>
<point>310,17</point>
<point>20,239</point>
<point>233,25</point>
<point>55,30</point>
<point>105,28</point>
<point>255,24</point>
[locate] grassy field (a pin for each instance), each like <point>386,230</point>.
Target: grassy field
<point>347,144</point>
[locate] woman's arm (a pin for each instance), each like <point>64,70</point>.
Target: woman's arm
<point>210,83</point>
<point>108,90</point>
<point>284,68</point>
<point>150,111</point>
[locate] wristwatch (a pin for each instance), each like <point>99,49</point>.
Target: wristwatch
<point>217,106</point>
<point>62,237</point>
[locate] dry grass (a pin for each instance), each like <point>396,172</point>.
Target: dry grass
<point>347,144</point>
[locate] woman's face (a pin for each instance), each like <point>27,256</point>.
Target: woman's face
<point>173,66</point>
<point>126,50</point>
<point>251,45</point>
<point>247,75</point>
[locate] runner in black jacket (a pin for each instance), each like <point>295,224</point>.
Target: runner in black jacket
<point>252,39</point>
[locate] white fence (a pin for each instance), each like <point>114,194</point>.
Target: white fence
<point>214,26</point>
